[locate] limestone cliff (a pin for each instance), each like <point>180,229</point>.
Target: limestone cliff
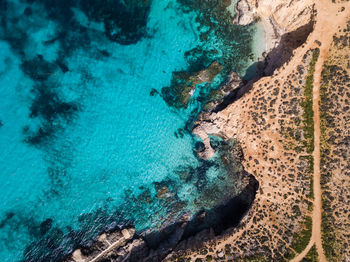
<point>279,17</point>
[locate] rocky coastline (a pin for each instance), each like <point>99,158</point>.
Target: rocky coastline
<point>257,114</point>
<point>123,244</point>
<point>274,118</point>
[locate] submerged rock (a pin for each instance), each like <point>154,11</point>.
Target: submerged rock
<point>162,192</point>
<point>208,152</point>
<point>45,226</point>
<point>184,84</point>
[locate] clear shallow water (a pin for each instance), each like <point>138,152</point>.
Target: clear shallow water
<point>83,143</point>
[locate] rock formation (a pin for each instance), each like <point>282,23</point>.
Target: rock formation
<point>278,17</point>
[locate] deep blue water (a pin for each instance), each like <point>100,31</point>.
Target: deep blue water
<point>88,139</point>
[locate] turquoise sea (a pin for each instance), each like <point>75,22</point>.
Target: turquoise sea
<point>92,135</point>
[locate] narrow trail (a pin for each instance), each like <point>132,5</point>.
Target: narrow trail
<point>324,31</point>
<point>316,237</point>
<point>317,209</point>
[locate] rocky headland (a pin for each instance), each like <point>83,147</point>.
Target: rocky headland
<point>288,131</point>
<point>276,120</point>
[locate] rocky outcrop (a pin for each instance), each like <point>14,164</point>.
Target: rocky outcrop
<point>171,240</point>
<point>110,244</point>
<point>278,17</point>
<point>288,24</point>
<point>184,84</point>
<point>201,130</point>
<point>244,13</point>
<point>258,114</point>
<point>287,15</point>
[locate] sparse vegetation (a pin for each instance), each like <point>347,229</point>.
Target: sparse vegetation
<point>311,256</point>
<point>257,258</point>
<point>307,105</point>
<point>335,167</point>
<point>302,239</point>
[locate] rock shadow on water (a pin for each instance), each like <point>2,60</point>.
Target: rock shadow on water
<point>125,22</point>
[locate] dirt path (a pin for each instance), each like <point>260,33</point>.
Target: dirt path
<point>324,31</point>
<point>316,237</point>
<point>317,208</point>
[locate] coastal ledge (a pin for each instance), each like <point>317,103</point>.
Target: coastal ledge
<point>172,240</point>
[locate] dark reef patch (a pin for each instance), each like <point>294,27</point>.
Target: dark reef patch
<point>64,68</point>
<point>45,226</point>
<point>183,84</point>
<point>49,106</point>
<point>39,136</point>
<point>125,22</point>
<point>105,53</point>
<point>28,11</point>
<point>38,69</point>
<point>153,92</point>
<point>51,111</point>
<point>7,217</point>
